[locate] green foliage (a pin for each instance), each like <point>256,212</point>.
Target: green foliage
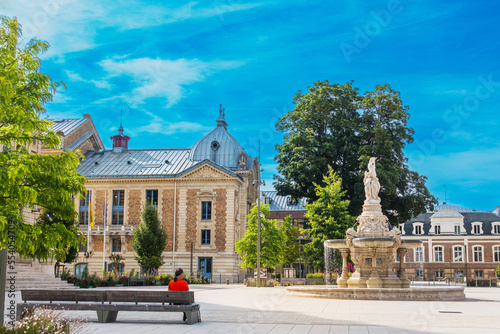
<point>150,240</point>
<point>116,258</point>
<point>498,270</point>
<point>271,241</point>
<point>315,275</point>
<point>28,180</point>
<point>333,125</point>
<point>70,236</point>
<point>45,320</point>
<point>265,283</point>
<point>291,245</point>
<point>328,217</point>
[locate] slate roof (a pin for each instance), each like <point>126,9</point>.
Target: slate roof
<point>470,216</point>
<point>227,153</point>
<point>282,203</point>
<point>66,125</point>
<point>140,163</point>
<point>456,208</point>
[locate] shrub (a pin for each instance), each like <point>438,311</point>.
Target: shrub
<point>45,320</point>
<point>252,282</point>
<point>315,275</point>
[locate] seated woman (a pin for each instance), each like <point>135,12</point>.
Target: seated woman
<point>178,284</point>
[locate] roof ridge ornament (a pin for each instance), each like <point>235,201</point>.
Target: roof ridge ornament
<point>221,121</point>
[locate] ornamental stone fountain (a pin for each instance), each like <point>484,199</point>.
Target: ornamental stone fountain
<point>374,249</point>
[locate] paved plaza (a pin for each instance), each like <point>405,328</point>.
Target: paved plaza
<point>238,309</point>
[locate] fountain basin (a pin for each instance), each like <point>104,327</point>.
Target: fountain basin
<point>451,293</point>
<point>411,243</point>
<point>374,242</point>
<point>336,243</point>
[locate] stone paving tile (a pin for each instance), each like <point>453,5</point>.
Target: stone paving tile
<point>236,309</point>
<point>339,330</point>
<point>377,330</point>
<point>300,329</point>
<point>262,329</point>
<point>358,330</point>
<point>281,329</point>
<point>320,329</point>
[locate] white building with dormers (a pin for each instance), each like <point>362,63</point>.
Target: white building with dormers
<point>458,243</point>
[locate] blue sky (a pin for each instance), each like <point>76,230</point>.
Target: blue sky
<point>169,66</point>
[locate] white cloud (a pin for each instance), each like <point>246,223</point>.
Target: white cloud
<point>71,25</point>
<point>98,83</point>
<point>172,128</point>
<point>163,77</point>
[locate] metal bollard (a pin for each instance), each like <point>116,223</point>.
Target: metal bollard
<point>227,281</point>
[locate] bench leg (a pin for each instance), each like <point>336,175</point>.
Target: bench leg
<point>192,317</point>
<point>107,316</point>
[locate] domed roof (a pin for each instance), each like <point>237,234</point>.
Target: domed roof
<point>218,146</point>
<point>497,210</point>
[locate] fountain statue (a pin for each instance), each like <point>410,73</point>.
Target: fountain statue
<point>373,247</point>
<point>374,250</point>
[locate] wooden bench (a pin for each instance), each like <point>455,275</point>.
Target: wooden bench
<point>136,279</point>
<point>108,302</point>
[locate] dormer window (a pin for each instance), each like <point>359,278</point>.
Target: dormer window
<point>477,228</point>
<point>495,228</point>
<point>437,229</point>
<point>457,229</point>
<point>418,228</point>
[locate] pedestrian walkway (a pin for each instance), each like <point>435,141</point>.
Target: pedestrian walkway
<point>238,309</point>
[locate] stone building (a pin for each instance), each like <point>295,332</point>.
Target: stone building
<point>76,134</point>
<point>203,195</point>
<point>458,243</point>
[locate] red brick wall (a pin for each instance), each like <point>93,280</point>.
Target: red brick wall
<point>220,219</point>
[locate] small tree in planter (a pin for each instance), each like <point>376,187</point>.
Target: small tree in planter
<point>150,240</point>
<point>271,240</point>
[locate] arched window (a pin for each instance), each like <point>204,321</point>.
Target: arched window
<point>496,253</point>
<point>80,268</point>
<point>419,254</point>
<point>438,254</point>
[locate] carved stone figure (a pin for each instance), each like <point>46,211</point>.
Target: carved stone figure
<point>242,164</point>
<point>372,186</point>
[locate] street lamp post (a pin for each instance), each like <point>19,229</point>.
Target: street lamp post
<point>258,223</point>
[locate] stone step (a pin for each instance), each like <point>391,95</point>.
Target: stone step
<point>27,276</point>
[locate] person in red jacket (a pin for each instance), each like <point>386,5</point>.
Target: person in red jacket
<point>178,284</point>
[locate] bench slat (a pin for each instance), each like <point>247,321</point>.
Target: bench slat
<point>113,307</point>
<point>112,296</point>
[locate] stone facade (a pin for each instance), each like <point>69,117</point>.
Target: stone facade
<point>169,206</point>
<point>201,243</point>
<point>451,247</point>
<point>191,218</point>
<point>134,206</point>
<point>220,220</point>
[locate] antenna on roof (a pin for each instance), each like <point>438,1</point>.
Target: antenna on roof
<point>445,198</point>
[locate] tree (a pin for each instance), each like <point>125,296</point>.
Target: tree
<point>149,240</point>
<point>271,241</point>
<point>30,180</point>
<point>328,217</point>
<point>291,244</point>
<point>335,126</point>
<point>66,249</point>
